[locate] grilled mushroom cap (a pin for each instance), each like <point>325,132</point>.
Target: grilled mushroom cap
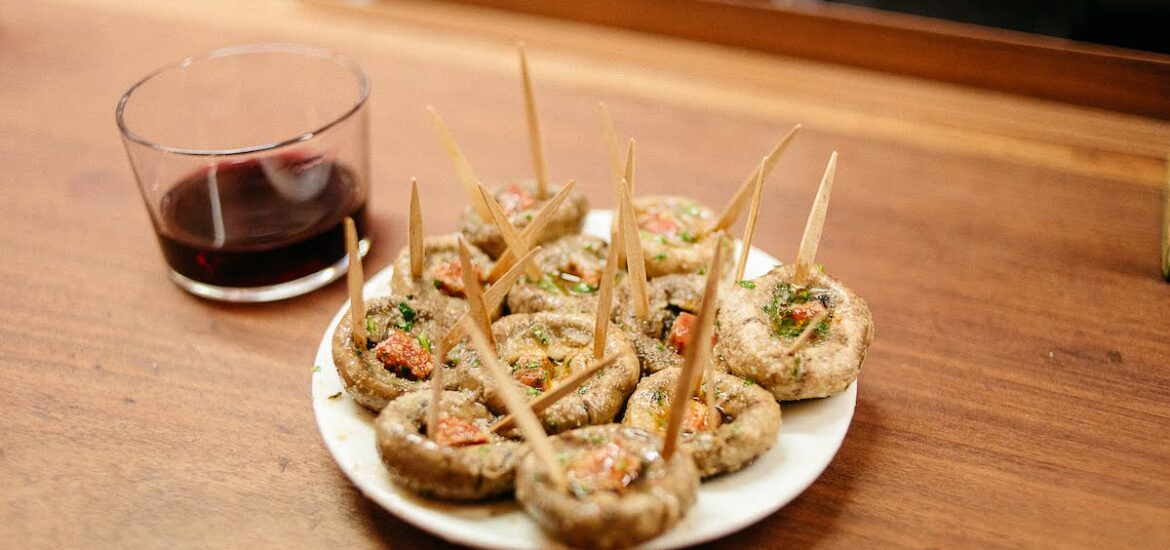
<point>758,326</point>
<point>520,204</point>
<point>543,348</point>
<point>649,504</point>
<point>370,381</point>
<point>441,282</point>
<point>749,419</point>
<point>435,469</point>
<point>572,268</point>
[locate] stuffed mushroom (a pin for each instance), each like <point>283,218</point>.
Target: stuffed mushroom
<point>674,234</point>
<point>621,490</point>
<point>543,349</point>
<point>571,271</point>
<point>762,320</point>
<point>458,459</point>
<point>520,204</point>
<point>397,357</point>
<point>744,426</point>
<point>442,278</point>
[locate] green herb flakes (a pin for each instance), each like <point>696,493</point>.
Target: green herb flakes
<point>424,342</point>
<point>660,256</point>
<point>408,316</point>
<point>437,283</point>
<point>316,368</point>
<point>531,391</point>
<point>540,334</point>
<point>335,396</point>
<point>749,382</point>
<point>687,236</point>
<point>746,284</point>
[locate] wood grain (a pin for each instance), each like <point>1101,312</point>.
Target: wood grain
<point>1107,77</point>
<point>1016,394</point>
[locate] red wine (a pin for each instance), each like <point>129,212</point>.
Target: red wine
<point>260,222</point>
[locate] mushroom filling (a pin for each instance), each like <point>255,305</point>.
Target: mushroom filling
<point>676,221</point>
<point>604,465</point>
<point>405,354</point>
<point>792,307</point>
<point>447,277</point>
<point>540,363</point>
<point>698,417</point>
<point>514,199</point>
<point>574,273</point>
<point>458,432</point>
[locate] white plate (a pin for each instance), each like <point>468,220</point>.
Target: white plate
<point>811,434</point>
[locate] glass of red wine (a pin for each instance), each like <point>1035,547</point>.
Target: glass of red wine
<point>249,159</point>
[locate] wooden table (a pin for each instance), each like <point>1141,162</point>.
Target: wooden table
<point>1016,395</point>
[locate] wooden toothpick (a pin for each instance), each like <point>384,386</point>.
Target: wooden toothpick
<point>635,263</point>
<point>479,313</point>
<point>612,153</point>
<point>749,229</point>
<point>462,166</point>
<point>414,233</point>
<point>515,243</point>
<point>354,280</point>
<point>525,418</point>
<point>535,139</point>
<point>436,388</point>
<point>532,232</point>
<point>812,228</point>
<point>548,398</point>
<point>605,298</point>
<point>738,201</point>
<point>696,353</point>
<point>492,299</point>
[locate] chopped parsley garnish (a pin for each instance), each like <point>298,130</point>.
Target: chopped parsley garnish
<point>581,390</point>
<point>660,256</point>
<point>531,391</point>
<point>746,284</point>
<point>424,342</point>
<point>540,334</point>
<point>548,285</point>
<point>659,397</point>
<point>583,288</point>
<point>316,368</point>
<point>437,283</point>
<point>749,382</point>
<point>371,326</point>
<point>785,320</point>
<point>589,247</point>
<point>407,312</point>
<point>687,236</point>
<point>335,396</point>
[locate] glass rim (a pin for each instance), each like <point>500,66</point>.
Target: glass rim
<point>312,51</point>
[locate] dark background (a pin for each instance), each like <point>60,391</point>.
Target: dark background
<point>1137,24</point>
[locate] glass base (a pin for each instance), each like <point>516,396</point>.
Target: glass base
<point>270,293</point>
